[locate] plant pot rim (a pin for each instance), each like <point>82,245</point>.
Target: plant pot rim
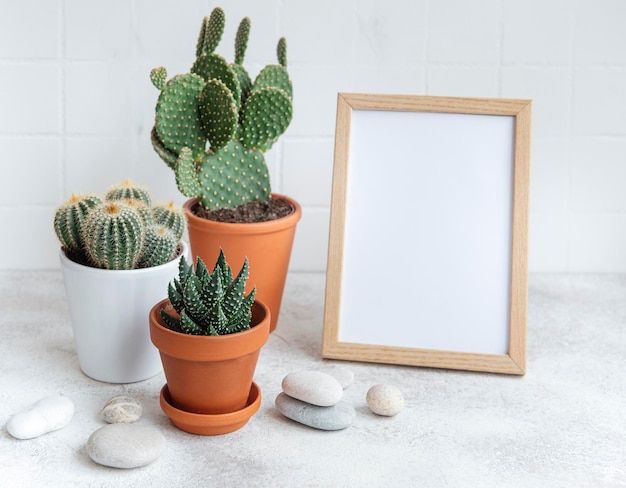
<point>211,424</point>
<point>215,348</point>
<point>245,227</point>
<point>67,262</point>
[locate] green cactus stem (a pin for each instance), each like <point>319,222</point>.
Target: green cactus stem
<point>281,52</point>
<point>160,246</point>
<point>171,216</point>
<point>69,220</point>
<point>209,303</point>
<point>113,236</point>
<point>127,190</point>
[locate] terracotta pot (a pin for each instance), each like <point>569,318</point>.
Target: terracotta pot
<point>210,376</point>
<point>266,244</point>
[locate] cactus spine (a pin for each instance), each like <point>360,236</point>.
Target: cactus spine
<point>209,303</point>
<point>171,216</point>
<point>159,247</point>
<point>217,103</point>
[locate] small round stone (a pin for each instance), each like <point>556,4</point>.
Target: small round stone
<point>313,387</point>
<point>125,445</point>
<point>122,409</point>
<point>385,400</point>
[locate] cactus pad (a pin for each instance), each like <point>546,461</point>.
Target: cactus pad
<point>164,153</point>
<point>218,114</point>
<point>214,66</point>
<point>232,176</point>
<point>177,123</point>
<point>281,52</point>
<point>211,32</point>
<point>186,174</point>
<point>266,116</point>
<point>274,75</point>
<point>158,76</point>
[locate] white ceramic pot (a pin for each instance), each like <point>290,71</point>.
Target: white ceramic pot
<point>109,313</point>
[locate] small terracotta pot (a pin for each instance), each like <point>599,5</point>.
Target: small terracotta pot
<point>209,374</point>
<point>267,245</point>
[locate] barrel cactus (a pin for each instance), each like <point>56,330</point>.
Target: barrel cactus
<point>213,124</point>
<point>70,217</point>
<point>123,231</point>
<point>209,303</point>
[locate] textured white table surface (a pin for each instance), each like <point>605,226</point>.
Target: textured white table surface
<point>561,425</point>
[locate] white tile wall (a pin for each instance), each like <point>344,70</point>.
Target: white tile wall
<point>76,104</point>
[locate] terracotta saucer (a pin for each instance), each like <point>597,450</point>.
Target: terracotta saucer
<point>211,424</point>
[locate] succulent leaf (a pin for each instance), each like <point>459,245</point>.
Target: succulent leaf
<point>171,322</point>
<point>266,116</point>
<point>218,114</point>
<point>188,325</point>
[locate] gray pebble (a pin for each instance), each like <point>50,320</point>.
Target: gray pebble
<point>122,409</point>
<point>335,417</point>
<point>125,445</point>
<point>313,387</point>
<point>385,400</point>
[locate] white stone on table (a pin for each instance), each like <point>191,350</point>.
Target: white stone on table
<point>122,409</point>
<point>385,400</point>
<point>125,445</point>
<point>336,417</point>
<point>343,375</point>
<point>46,415</point>
<point>313,387</point>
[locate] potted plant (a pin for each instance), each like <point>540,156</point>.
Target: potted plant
<point>212,127</point>
<point>117,255</point>
<point>209,334</point>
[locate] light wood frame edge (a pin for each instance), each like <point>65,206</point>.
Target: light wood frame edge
<point>332,348</point>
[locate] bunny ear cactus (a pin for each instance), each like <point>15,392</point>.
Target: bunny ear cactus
<point>209,303</point>
<point>218,104</point>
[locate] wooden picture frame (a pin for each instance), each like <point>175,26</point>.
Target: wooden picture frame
<point>428,246</point>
